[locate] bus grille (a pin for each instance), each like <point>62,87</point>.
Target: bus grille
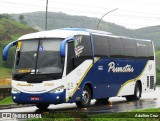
<point>151,82</point>
<point>147,81</point>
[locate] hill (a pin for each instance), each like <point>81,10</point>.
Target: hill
<point>10,30</point>
<point>61,20</point>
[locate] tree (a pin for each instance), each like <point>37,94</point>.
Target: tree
<point>2,32</point>
<point>21,18</point>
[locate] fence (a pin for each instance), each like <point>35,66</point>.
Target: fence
<point>5,82</point>
<point>5,87</point>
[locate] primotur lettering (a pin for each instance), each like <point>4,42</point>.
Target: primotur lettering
<point>19,84</point>
<point>114,69</point>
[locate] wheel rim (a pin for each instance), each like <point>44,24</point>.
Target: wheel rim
<point>85,97</point>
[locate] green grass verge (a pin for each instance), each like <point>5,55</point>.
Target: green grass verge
<point>5,72</point>
<point>72,116</point>
<point>148,110</point>
<point>7,101</point>
<point>124,116</point>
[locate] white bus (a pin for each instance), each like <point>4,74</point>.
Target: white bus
<point>76,65</point>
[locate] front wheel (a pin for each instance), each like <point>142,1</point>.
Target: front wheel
<point>86,98</point>
<point>137,93</point>
<point>42,106</point>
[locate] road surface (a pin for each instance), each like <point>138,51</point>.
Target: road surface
<point>115,104</point>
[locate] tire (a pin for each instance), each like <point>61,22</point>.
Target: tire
<point>42,106</point>
<point>137,93</point>
<point>86,98</point>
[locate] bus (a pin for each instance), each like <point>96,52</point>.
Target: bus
<point>77,65</point>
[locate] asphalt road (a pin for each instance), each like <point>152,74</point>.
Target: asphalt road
<point>115,104</point>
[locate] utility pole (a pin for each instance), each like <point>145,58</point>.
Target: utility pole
<point>105,15</point>
<point>46,15</point>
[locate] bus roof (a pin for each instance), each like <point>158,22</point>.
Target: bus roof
<point>61,33</point>
<point>66,32</point>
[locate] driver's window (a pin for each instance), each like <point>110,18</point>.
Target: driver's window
<point>79,50</point>
<point>70,57</point>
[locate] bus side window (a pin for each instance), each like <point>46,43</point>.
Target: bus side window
<point>150,53</point>
<point>101,46</point>
<point>78,51</point>
<point>129,48</point>
<point>142,51</point>
<point>116,47</point>
<point>70,57</point>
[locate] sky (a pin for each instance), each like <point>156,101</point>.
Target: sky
<point>132,14</point>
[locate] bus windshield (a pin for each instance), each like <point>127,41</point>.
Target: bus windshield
<point>38,59</point>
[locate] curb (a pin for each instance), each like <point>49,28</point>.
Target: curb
<point>15,106</point>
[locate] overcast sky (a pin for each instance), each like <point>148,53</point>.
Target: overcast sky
<point>131,13</point>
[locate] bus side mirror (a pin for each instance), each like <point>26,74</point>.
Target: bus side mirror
<point>6,49</point>
<point>63,45</point>
<point>62,49</point>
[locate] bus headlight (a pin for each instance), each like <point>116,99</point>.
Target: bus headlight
<point>57,90</point>
<point>15,91</point>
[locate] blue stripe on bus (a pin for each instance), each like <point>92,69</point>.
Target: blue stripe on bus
<point>108,83</point>
<point>47,97</point>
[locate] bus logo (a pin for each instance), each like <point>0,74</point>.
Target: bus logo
<point>77,47</point>
<point>125,69</point>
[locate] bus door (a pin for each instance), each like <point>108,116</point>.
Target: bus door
<point>101,78</point>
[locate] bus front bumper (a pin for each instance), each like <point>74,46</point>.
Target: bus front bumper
<point>47,97</point>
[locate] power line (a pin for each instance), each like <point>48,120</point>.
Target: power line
<point>98,13</point>
<point>43,18</point>
<point>122,16</point>
<point>131,16</point>
<point>96,20</point>
<point>79,10</point>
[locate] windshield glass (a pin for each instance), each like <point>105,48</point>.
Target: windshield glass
<point>49,57</point>
<point>39,59</point>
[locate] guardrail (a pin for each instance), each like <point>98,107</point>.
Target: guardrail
<point>5,87</point>
<point>15,106</point>
<point>5,82</point>
<point>5,92</point>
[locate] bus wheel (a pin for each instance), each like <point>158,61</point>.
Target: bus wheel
<point>137,93</point>
<point>86,98</point>
<point>42,106</point>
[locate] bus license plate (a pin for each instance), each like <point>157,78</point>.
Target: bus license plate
<point>35,98</point>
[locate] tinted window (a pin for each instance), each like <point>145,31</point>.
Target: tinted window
<point>129,47</point>
<point>142,51</point>
<point>101,46</point>
<point>150,50</point>
<point>70,57</point>
<point>116,46</point>
<point>82,46</point>
<point>78,51</point>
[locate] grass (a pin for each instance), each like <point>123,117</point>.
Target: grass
<point>77,116</point>
<point>125,116</point>
<point>7,101</point>
<point>148,110</point>
<point>10,30</point>
<point>5,72</point>
<point>158,59</point>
